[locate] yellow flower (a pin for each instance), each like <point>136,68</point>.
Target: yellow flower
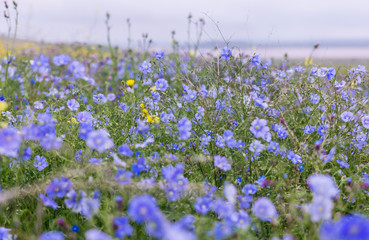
<point>156,119</point>
<point>3,124</point>
<point>150,119</point>
<point>353,84</point>
<point>153,119</point>
<point>142,105</point>
<point>130,82</point>
<point>3,106</point>
<point>153,88</point>
<point>308,61</point>
<point>74,120</point>
<point>144,112</point>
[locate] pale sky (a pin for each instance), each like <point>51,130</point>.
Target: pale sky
<point>258,21</point>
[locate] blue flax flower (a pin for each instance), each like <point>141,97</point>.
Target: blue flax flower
<point>222,163</point>
<point>40,163</point>
<point>264,209</point>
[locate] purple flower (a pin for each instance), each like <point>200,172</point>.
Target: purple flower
<point>159,55</point>
<point>322,131</point>
<point>222,163</point>
<point>58,187</point>
<point>5,235</point>
<point>123,177</point>
<point>122,227</point>
<point>228,138</point>
<point>220,141</point>
<point>141,208</point>
<point>309,129</point>
<point>191,95</point>
<point>294,157</point>
<point>10,141</point>
<point>38,105</point>
<point>256,147</point>
<point>125,150</point>
<point>123,106</point>
<point>331,73</point>
<point>161,84</point>
<point>282,134</point>
<point>353,227</point>
<point>95,161</point>
<point>264,209</point>
<point>343,163</point>
<point>99,98</point>
<point>85,117</point>
<point>241,219</point>
<point>323,185</point>
<point>27,154</point>
<point>156,225</point>
<point>250,189</point>
<point>72,104</point>
<point>328,157</point>
<point>40,163</point>
<point>223,229</point>
<point>142,127</point>
<point>186,222</point>
<point>155,97</point>
<point>273,147</point>
<point>51,142</point>
<point>52,235</point>
<point>99,140</point>
<point>77,69</point>
<point>222,208</point>
<point>48,202</point>
<point>145,67</point>
<point>244,201</point>
<point>202,205</point>
<point>96,234</point>
<point>259,128</point>
<point>226,53</point>
<point>365,121</point>
<point>84,130</point>
<point>314,98</point>
<point>256,60</point>
<point>347,116</point>
<point>111,96</point>
<point>74,202</point>
<point>40,64</point>
<point>89,207</point>
<point>320,208</point>
<point>184,127</point>
<point>61,59</point>
<point>138,167</point>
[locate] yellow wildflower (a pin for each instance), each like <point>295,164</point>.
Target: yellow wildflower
<point>3,106</point>
<point>130,83</point>
<point>156,119</point>
<point>142,105</point>
<point>3,124</point>
<point>145,112</point>
<point>153,119</point>
<point>353,84</point>
<point>74,120</point>
<point>153,89</point>
<point>308,61</point>
<point>150,119</point>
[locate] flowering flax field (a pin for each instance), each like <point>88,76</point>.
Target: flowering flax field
<point>116,144</point>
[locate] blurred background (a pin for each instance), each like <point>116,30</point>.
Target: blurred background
<point>271,28</point>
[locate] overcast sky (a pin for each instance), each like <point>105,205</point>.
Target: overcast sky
<point>260,21</point>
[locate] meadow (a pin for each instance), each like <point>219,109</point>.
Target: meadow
<point>104,143</point>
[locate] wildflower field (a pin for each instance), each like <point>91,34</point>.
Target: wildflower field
<point>110,144</point>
